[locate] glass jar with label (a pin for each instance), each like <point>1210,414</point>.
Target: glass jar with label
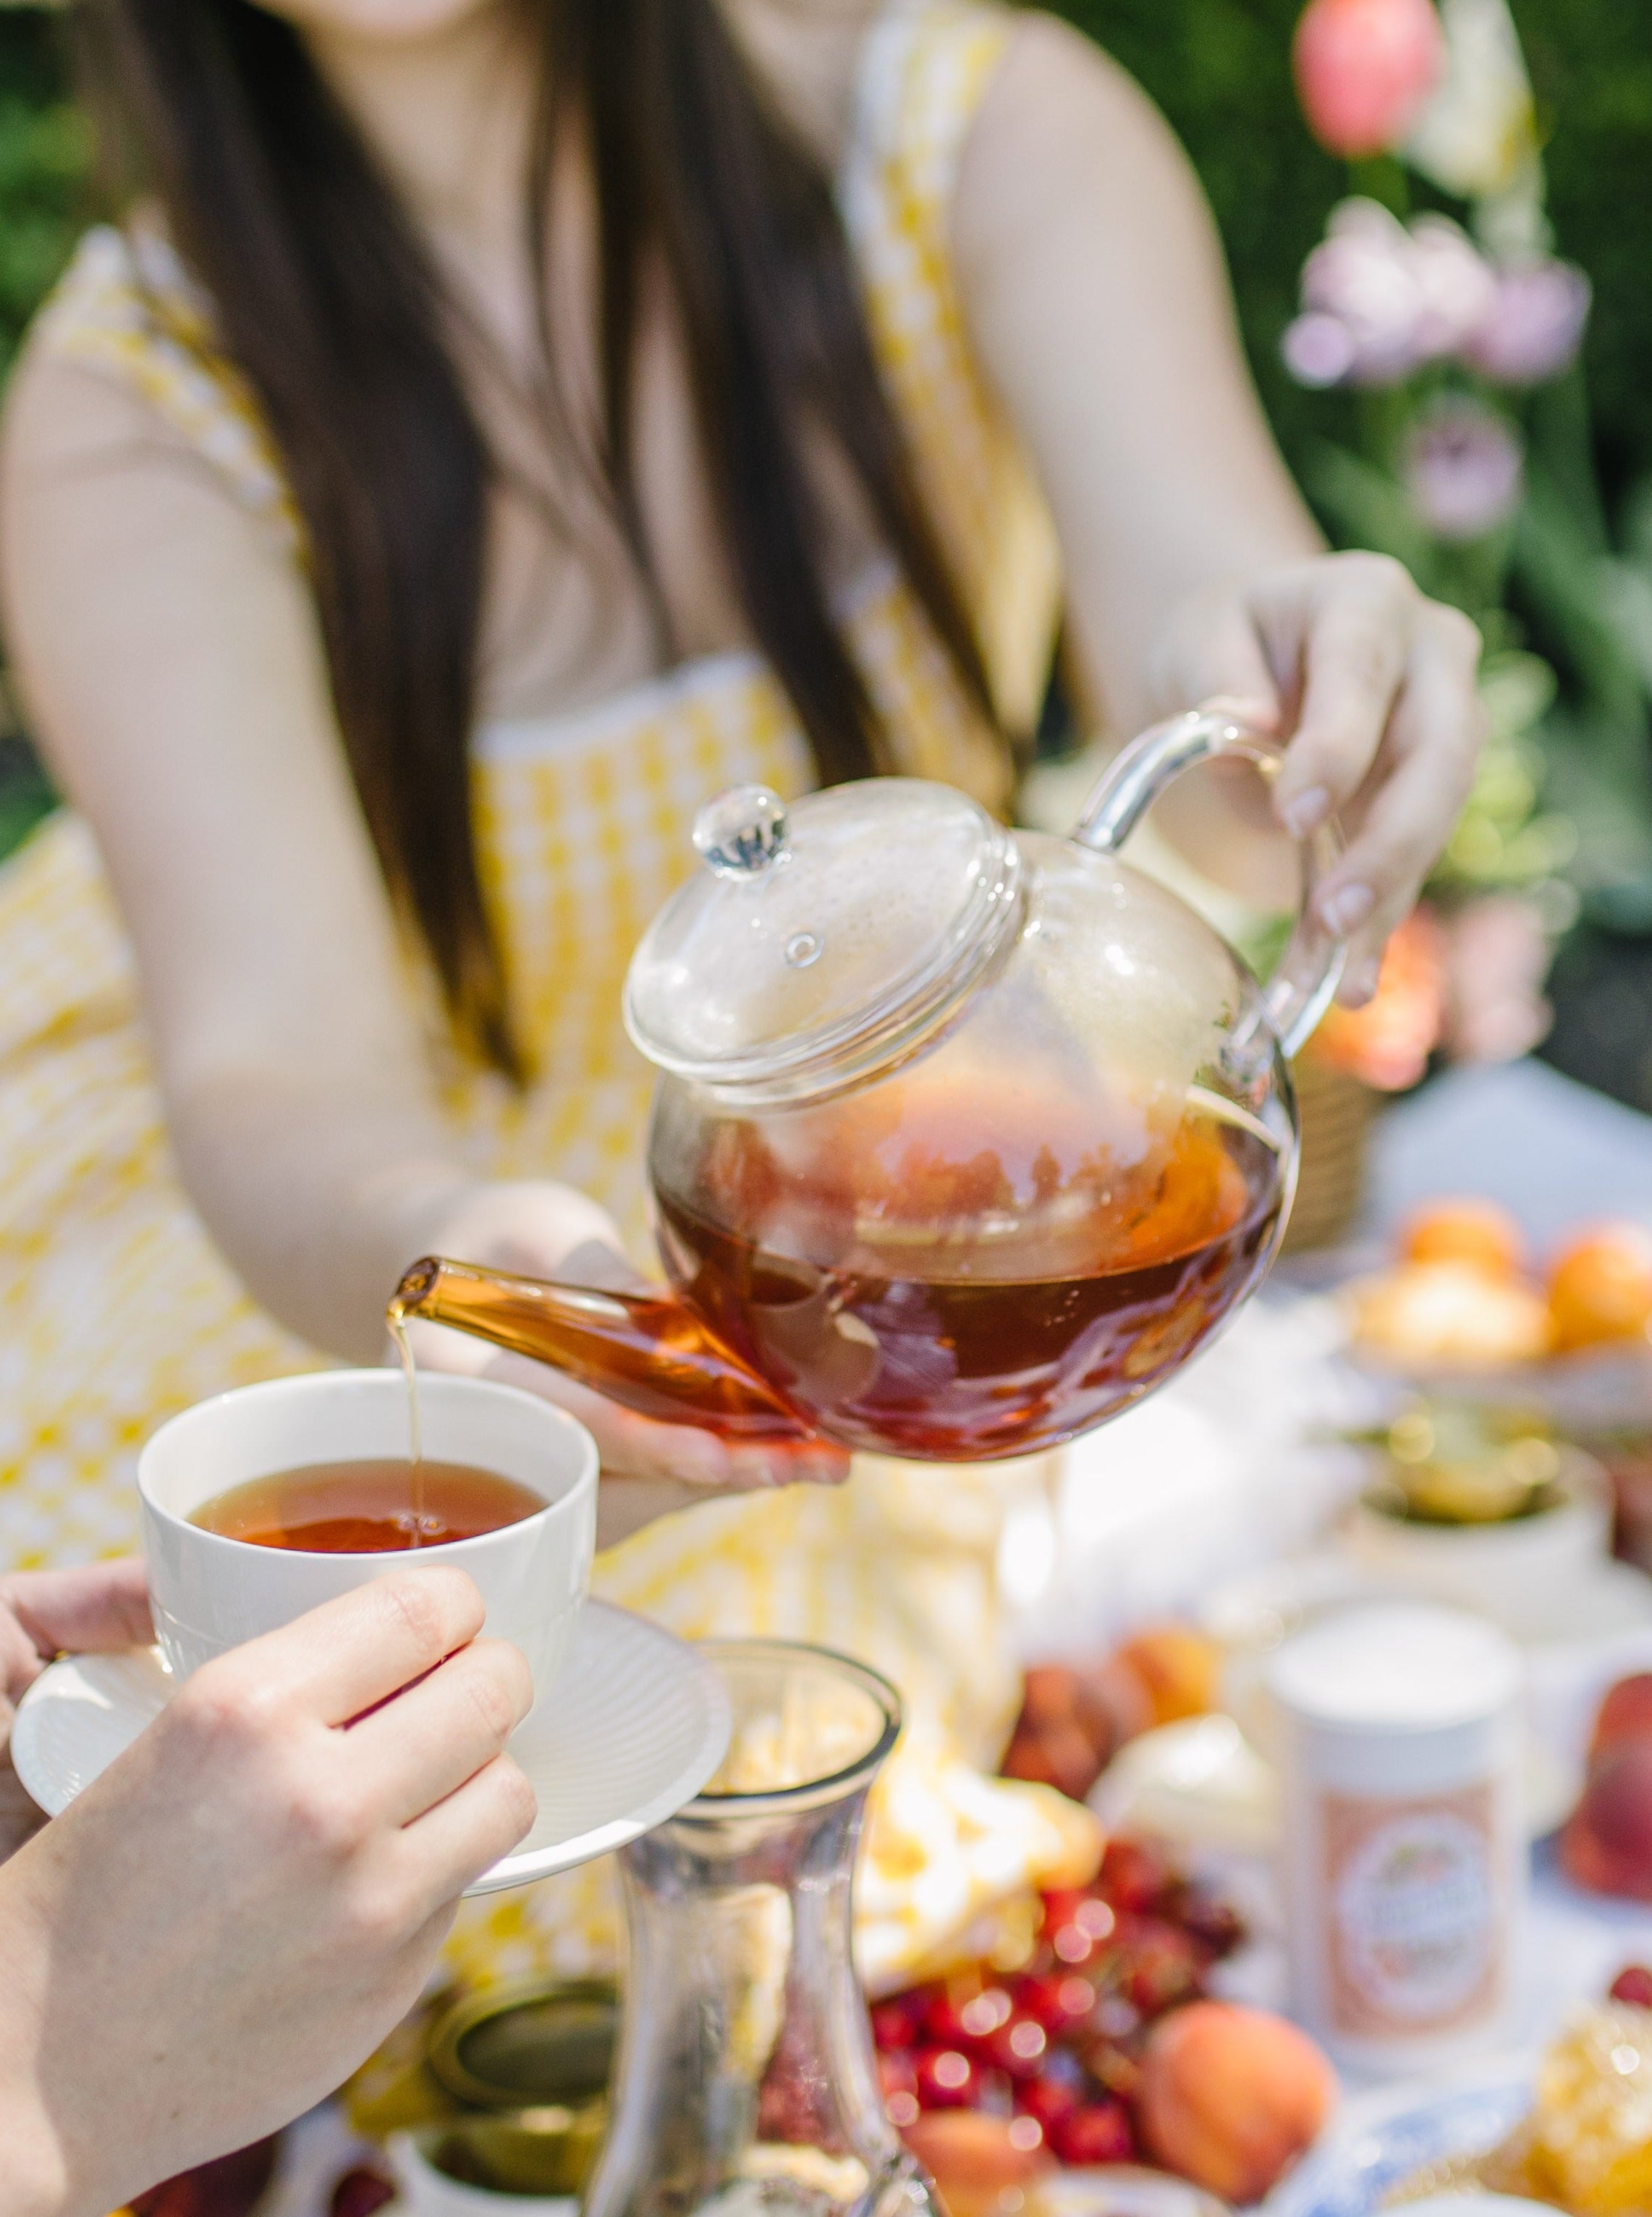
<point>1404,1869</point>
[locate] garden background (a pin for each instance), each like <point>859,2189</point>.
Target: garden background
<point>1220,68</point>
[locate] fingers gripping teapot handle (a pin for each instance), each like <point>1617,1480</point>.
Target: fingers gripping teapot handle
<point>1311,967</point>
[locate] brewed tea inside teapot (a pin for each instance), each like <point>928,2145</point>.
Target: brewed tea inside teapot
<point>965,1139</point>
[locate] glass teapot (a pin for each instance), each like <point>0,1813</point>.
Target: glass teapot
<point>965,1139</point>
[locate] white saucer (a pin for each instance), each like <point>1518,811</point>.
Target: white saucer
<point>635,1726</point>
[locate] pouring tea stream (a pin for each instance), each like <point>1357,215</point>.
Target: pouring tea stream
<point>964,1139</point>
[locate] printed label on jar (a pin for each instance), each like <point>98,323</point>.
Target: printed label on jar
<point>1417,1927</point>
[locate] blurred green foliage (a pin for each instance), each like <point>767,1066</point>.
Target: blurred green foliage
<point>45,167</point>
<point>1221,69</point>
<point>45,163</point>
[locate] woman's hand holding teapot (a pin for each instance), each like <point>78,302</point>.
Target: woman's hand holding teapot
<point>1374,687</point>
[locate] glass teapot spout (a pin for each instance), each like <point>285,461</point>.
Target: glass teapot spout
<point>647,1350</point>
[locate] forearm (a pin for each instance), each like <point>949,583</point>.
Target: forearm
<point>318,1197</point>
<point>1096,299</point>
<point>31,2178</point>
<point>34,2168</point>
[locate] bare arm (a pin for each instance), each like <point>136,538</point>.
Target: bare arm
<point>172,664</point>
<point>1093,285</point>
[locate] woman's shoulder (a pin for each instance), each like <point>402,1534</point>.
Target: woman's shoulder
<point>126,338</point>
<point>923,71</point>
<point>870,81</point>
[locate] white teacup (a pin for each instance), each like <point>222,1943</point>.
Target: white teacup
<point>209,1593</point>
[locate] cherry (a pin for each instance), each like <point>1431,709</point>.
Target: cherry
<point>897,2021</point>
<point>360,2192</point>
<point>1132,1876</point>
<point>1633,1985</point>
<point>1095,2132</point>
<point>984,2015</point>
<point>947,2079</point>
<point>1085,1933</point>
<point>1161,1966</point>
<point>898,2078</point>
<point>1019,2046</point>
<point>1057,2000</point>
<point>1060,1907</point>
<point>1215,1925</point>
<point>1048,2098</point>
<point>897,2073</point>
<point>943,2025</point>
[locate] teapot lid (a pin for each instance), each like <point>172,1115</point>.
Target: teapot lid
<point>820,940</point>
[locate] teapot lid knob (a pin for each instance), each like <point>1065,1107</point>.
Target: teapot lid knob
<point>743,831</point>
<point>822,937</point>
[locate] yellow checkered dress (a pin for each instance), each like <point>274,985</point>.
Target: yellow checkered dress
<point>115,1308</point>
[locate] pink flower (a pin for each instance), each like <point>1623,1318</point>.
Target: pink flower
<point>1362,276</point>
<point>1320,350</point>
<point>1380,300</point>
<point>1533,325</point>
<point>1496,960</point>
<point>1365,70</point>
<point>1464,470</point>
<point>1456,288</point>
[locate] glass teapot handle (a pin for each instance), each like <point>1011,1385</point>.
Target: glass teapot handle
<point>1311,967</point>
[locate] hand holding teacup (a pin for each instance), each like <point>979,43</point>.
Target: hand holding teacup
<point>226,1921</point>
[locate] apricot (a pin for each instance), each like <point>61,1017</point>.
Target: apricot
<point>1625,1714</point>
<point>980,2165</point>
<point>1231,2096</point>
<point>1600,1288</point>
<point>1451,1313</point>
<point>1606,1846</point>
<point>1467,1230</point>
<point>1178,1668</point>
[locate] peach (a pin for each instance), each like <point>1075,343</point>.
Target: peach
<point>1231,2096</point>
<point>980,2165</point>
<point>1468,1231</point>
<point>1607,1843</point>
<point>1600,1288</point>
<point>1625,1714</point>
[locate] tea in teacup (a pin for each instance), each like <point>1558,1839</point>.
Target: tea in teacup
<point>268,1464</point>
<point>372,1506</point>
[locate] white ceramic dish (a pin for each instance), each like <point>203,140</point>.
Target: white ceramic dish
<point>1535,1576</point>
<point>637,1723</point>
<point>428,2192</point>
<point>1382,2141</point>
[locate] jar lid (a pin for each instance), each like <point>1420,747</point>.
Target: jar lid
<point>1397,1668</point>
<point>820,940</point>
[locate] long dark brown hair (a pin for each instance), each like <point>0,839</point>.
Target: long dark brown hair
<point>329,304</point>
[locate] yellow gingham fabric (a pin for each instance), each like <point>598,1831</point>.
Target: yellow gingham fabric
<point>115,1308</point>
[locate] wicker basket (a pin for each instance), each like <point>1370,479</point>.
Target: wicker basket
<point>1336,1112</point>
